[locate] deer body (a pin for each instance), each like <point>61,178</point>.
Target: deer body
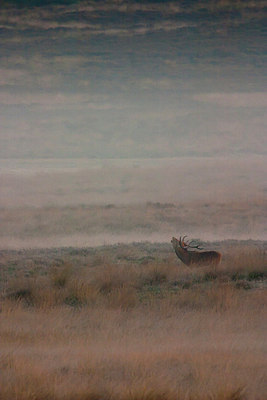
<point>194,257</point>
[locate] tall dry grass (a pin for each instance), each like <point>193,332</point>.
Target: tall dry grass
<point>155,351</point>
<point>126,330</point>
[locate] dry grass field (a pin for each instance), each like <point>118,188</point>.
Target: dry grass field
<point>130,322</point>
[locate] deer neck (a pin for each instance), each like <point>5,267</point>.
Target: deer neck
<point>183,255</point>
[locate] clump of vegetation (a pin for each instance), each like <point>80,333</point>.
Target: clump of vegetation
<point>256,275</point>
<point>60,275</point>
<point>21,294</point>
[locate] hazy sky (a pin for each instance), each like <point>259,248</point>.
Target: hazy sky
<point>132,78</point>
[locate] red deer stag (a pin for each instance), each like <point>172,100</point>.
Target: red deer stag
<point>188,257</point>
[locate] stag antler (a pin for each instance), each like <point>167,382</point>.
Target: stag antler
<point>182,242</point>
<point>188,245</point>
<point>194,247</point>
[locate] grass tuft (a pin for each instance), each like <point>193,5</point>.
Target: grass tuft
<point>60,275</point>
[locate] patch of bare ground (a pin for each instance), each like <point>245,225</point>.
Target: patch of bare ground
<point>131,322</point>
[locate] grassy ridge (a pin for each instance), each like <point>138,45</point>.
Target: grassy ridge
<point>139,269</point>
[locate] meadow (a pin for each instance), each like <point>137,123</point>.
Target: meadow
<point>129,321</point>
<point>95,305</point>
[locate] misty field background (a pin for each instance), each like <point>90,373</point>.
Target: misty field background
<point>81,203</point>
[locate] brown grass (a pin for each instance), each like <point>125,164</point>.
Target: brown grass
<point>127,330</point>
